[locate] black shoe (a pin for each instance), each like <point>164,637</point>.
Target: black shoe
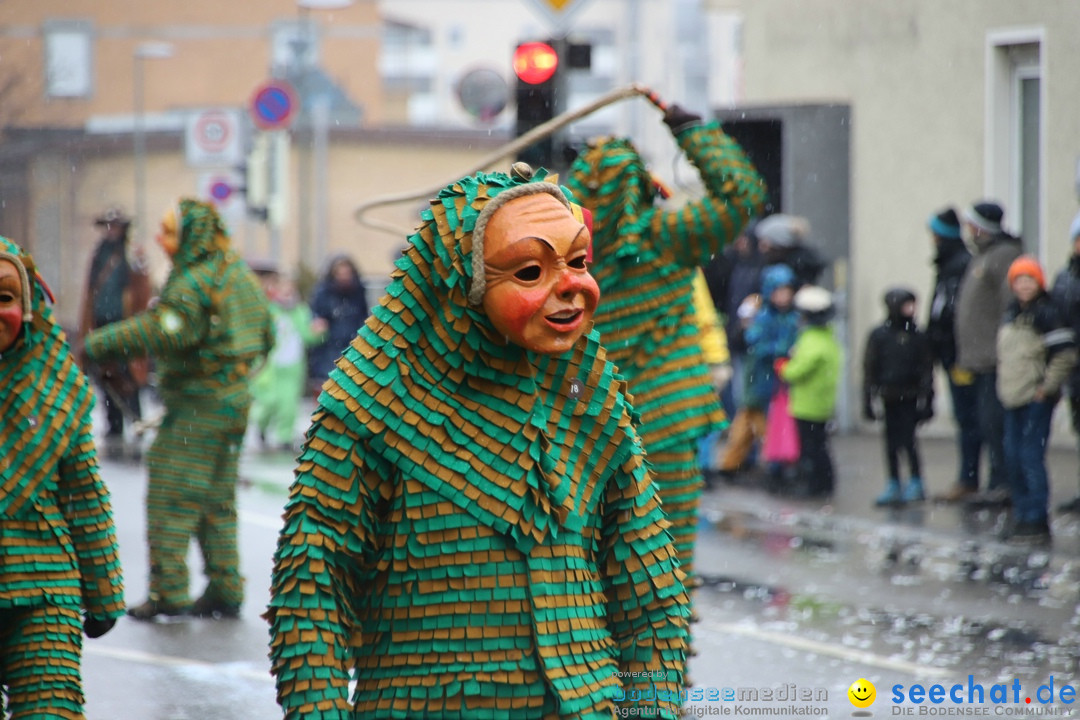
<point>994,498</point>
<point>1070,508</point>
<point>152,608</point>
<point>211,607</point>
<point>1030,533</point>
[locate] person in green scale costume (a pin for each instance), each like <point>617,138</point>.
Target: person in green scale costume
<point>645,258</point>
<point>472,531</point>
<point>59,563</point>
<point>209,330</point>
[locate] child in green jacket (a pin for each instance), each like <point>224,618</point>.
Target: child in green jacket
<point>813,373</point>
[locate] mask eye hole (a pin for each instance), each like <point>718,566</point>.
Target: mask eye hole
<point>6,297</point>
<point>577,263</point>
<point>528,274</point>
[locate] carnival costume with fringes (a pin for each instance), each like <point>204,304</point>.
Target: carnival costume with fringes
<point>472,532</point>
<point>644,260</point>
<point>58,554</point>
<point>210,327</point>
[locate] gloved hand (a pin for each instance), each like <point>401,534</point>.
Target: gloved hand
<point>721,375</point>
<point>95,628</point>
<point>924,409</point>
<point>961,376</point>
<point>679,119</point>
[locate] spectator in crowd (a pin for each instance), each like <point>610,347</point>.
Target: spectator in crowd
<point>117,287</point>
<point>770,336</point>
<point>813,375</point>
<point>783,239</point>
<point>898,369</point>
<point>951,258</point>
<point>340,301</point>
<point>1066,294</point>
<point>279,385</point>
<point>1036,351</point>
<point>983,297</point>
<point>732,277</point>
<point>714,349</point>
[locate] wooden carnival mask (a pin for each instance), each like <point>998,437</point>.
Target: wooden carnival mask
<point>539,292</point>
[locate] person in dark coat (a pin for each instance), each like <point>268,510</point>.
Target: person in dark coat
<point>951,259</point>
<point>340,300</point>
<point>1066,295</point>
<point>117,287</point>
<point>983,297</point>
<point>733,276</point>
<point>898,369</point>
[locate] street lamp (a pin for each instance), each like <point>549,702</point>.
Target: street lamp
<point>143,51</point>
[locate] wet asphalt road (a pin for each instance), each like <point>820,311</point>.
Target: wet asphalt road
<point>798,595</point>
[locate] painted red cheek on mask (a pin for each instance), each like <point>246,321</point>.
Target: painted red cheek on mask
<point>519,308</point>
<point>11,322</point>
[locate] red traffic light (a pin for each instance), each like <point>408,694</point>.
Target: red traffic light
<point>535,62</point>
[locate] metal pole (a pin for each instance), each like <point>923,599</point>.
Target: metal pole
<point>320,117</point>
<point>139,140</point>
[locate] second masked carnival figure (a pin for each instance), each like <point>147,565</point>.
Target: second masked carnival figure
<point>208,331</point>
<point>472,531</point>
<point>645,258</point>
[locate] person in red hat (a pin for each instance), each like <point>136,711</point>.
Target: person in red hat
<point>1036,350</point>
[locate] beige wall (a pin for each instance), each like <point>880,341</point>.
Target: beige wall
<point>915,74</point>
<point>360,168</point>
<point>222,52</point>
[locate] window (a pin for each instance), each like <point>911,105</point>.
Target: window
<point>68,59</point>
<point>1015,117</point>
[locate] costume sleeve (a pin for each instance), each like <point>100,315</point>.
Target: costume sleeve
<point>179,321</point>
<point>84,501</point>
<point>323,560</point>
<point>734,194</point>
<point>647,606</point>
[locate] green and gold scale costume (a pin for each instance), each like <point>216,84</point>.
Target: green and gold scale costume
<point>644,260</point>
<point>472,532</point>
<point>207,332</point>
<point>58,553</point>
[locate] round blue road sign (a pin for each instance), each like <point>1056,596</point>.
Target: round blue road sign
<point>273,105</point>
<point>220,190</point>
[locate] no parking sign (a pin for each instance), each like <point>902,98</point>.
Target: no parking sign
<point>212,138</point>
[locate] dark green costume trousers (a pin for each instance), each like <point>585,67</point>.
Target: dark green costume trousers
<point>192,493</point>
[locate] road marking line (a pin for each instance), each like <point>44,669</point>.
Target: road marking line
<point>265,521</point>
<point>145,658</point>
<point>838,651</point>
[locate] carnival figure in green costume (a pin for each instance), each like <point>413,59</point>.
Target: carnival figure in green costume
<point>59,564</point>
<point>645,259</point>
<point>472,532</point>
<point>209,330</point>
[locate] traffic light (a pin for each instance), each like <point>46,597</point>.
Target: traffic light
<point>537,90</point>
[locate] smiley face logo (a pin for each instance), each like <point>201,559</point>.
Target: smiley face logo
<point>862,693</point>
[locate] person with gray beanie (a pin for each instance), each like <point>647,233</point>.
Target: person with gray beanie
<point>783,239</point>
